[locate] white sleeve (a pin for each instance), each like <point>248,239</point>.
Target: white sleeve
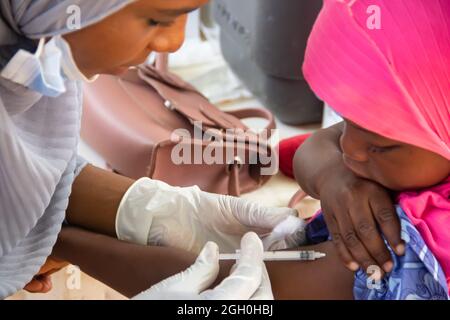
<point>20,265</point>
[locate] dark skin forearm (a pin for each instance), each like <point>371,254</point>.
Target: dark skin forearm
<point>131,269</point>
<point>318,155</point>
<point>95,198</point>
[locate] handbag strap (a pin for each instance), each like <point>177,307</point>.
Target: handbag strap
<point>162,65</point>
<point>234,187</point>
<point>162,62</point>
<point>255,113</point>
<point>297,198</point>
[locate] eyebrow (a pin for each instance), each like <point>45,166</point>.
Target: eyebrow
<point>177,12</point>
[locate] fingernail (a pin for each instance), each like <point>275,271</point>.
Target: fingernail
<point>400,249</point>
<point>387,267</point>
<point>353,266</point>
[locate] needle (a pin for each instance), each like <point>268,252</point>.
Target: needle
<point>307,255</point>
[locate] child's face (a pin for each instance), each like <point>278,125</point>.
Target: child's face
<point>127,38</point>
<point>395,165</point>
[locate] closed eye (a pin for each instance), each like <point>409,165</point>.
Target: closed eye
<point>156,23</point>
<point>379,149</point>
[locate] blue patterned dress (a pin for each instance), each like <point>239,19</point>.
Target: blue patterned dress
<point>416,276</point>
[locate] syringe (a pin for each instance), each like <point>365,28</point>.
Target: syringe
<point>305,255</point>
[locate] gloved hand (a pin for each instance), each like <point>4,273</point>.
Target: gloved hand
<point>248,279</point>
<point>154,213</point>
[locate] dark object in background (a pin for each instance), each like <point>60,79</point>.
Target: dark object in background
<point>264,41</point>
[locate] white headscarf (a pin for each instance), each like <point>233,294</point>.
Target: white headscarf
<point>38,140</point>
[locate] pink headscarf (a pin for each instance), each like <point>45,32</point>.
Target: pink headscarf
<point>385,65</point>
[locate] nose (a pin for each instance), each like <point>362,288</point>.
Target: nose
<point>170,39</point>
<point>353,147</point>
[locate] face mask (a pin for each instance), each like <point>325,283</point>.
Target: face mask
<point>46,70</point>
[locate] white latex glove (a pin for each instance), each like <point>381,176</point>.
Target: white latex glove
<point>248,279</point>
<point>154,213</point>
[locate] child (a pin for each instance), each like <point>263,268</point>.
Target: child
<point>391,84</point>
<point>424,214</point>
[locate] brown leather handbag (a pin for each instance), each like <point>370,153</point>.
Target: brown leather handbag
<point>134,122</point>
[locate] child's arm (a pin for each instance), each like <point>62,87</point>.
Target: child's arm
<point>323,279</point>
<point>131,269</point>
<point>353,207</point>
